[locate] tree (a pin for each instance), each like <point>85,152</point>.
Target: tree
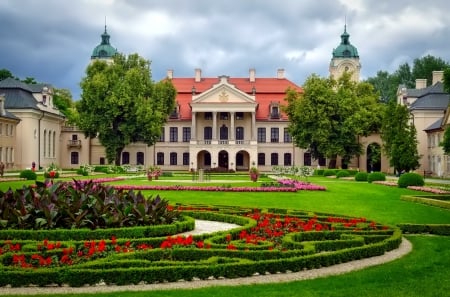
<point>424,67</point>
<point>329,115</point>
<point>385,84</point>
<point>120,104</point>
<point>399,138</point>
<point>5,73</point>
<point>62,99</point>
<point>446,141</point>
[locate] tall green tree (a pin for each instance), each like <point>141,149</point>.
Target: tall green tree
<point>329,115</point>
<point>62,99</point>
<point>424,67</point>
<point>385,84</point>
<point>120,104</point>
<point>399,138</point>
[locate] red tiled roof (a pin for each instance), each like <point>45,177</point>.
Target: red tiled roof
<point>267,90</point>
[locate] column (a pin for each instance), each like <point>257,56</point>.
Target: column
<point>214,128</point>
<point>194,126</point>
<point>232,129</point>
<point>253,125</point>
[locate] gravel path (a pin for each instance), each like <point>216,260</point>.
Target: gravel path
<point>207,227</point>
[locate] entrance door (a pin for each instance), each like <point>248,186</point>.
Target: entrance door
<point>223,159</point>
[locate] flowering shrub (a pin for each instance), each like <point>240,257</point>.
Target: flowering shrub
<point>299,185</point>
<point>200,188</point>
<point>52,171</point>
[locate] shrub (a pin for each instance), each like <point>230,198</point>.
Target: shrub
<point>361,176</point>
<point>342,173</point>
<point>329,172</point>
<point>319,171</point>
<point>28,174</point>
<point>410,179</point>
<point>376,176</point>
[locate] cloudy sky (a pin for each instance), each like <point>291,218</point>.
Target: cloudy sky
<point>52,40</point>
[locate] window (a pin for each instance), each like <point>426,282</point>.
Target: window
<point>261,134</point>
<point>287,159</point>
<point>261,159</point>
<point>125,158</point>
<point>49,142</point>
<point>239,115</point>
<point>173,158</point>
<point>186,134</point>
<point>161,137</point>
<point>1,154</point>
<point>239,133</point>
<point>74,158</point>
<point>224,116</point>
<point>11,130</point>
<point>6,129</point>
<point>54,144</point>
<point>1,128</point>
<point>224,132</point>
<point>102,161</point>
<point>207,133</point>
<point>45,144</point>
<point>208,116</point>
<point>185,158</point>
<point>140,158</point>
<point>175,113</point>
<point>287,136</point>
<point>173,134</point>
<point>160,158</point>
<point>274,159</point>
<point>275,112</point>
<point>307,159</point>
<point>274,135</point>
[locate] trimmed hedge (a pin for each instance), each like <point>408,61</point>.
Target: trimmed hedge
<point>28,174</point>
<point>438,229</point>
<point>345,240</point>
<point>376,176</point>
<point>342,173</point>
<point>410,179</point>
<point>361,176</point>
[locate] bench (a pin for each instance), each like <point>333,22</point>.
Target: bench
<point>427,173</point>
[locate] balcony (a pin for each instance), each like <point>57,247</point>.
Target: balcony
<point>74,143</point>
<point>275,115</point>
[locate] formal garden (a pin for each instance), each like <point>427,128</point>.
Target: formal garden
<point>116,226</point>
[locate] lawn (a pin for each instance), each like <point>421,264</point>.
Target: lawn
<point>423,272</point>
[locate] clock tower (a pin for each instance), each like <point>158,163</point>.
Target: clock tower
<point>345,58</point>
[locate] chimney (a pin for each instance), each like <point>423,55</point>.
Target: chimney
<point>252,75</point>
<point>280,73</point>
<point>2,105</point>
<point>198,75</point>
<point>438,76</point>
<point>421,83</point>
<point>170,73</point>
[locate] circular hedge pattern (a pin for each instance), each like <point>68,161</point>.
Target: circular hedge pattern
<point>266,241</point>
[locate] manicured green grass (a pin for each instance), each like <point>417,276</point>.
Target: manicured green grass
<point>423,272</point>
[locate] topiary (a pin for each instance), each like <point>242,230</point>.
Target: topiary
<point>342,173</point>
<point>410,179</point>
<point>329,172</point>
<point>376,176</point>
<point>28,174</point>
<point>361,176</point>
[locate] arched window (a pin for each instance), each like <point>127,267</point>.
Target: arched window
<point>287,159</point>
<point>45,143</point>
<point>274,159</point>
<point>160,158</point>
<point>125,158</point>
<point>173,158</point>
<point>261,159</point>
<point>74,158</point>
<point>140,158</point>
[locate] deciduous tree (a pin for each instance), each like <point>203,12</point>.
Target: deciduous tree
<point>399,138</point>
<point>329,115</point>
<point>120,103</point>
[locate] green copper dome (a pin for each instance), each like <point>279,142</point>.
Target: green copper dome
<point>104,50</point>
<point>345,49</point>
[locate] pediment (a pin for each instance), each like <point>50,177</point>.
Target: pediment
<point>223,92</point>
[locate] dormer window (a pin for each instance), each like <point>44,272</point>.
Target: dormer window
<point>176,112</point>
<point>274,110</point>
<point>44,99</point>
